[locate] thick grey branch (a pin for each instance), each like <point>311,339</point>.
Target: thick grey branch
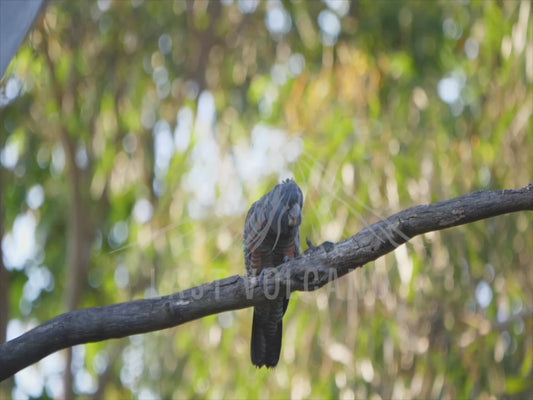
<point>312,270</point>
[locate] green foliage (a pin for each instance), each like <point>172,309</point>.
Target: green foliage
<point>113,117</point>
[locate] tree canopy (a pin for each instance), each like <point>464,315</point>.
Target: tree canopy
<point>136,134</point>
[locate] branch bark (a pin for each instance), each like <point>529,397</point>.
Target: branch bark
<point>312,270</point>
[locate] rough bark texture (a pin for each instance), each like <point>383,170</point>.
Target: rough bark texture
<point>312,270</point>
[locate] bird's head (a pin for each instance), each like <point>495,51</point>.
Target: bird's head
<point>286,201</point>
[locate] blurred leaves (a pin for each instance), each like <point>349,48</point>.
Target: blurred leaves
<point>179,114</point>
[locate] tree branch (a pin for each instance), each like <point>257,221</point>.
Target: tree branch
<point>312,270</point>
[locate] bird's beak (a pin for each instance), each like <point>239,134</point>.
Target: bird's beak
<point>294,215</point>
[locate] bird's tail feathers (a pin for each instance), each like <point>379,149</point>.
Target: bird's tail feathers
<point>266,342</point>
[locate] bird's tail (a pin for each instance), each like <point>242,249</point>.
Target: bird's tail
<point>267,329</point>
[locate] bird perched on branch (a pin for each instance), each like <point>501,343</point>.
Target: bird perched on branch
<point>271,234</point>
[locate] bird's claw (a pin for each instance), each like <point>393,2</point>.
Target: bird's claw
<point>265,272</point>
